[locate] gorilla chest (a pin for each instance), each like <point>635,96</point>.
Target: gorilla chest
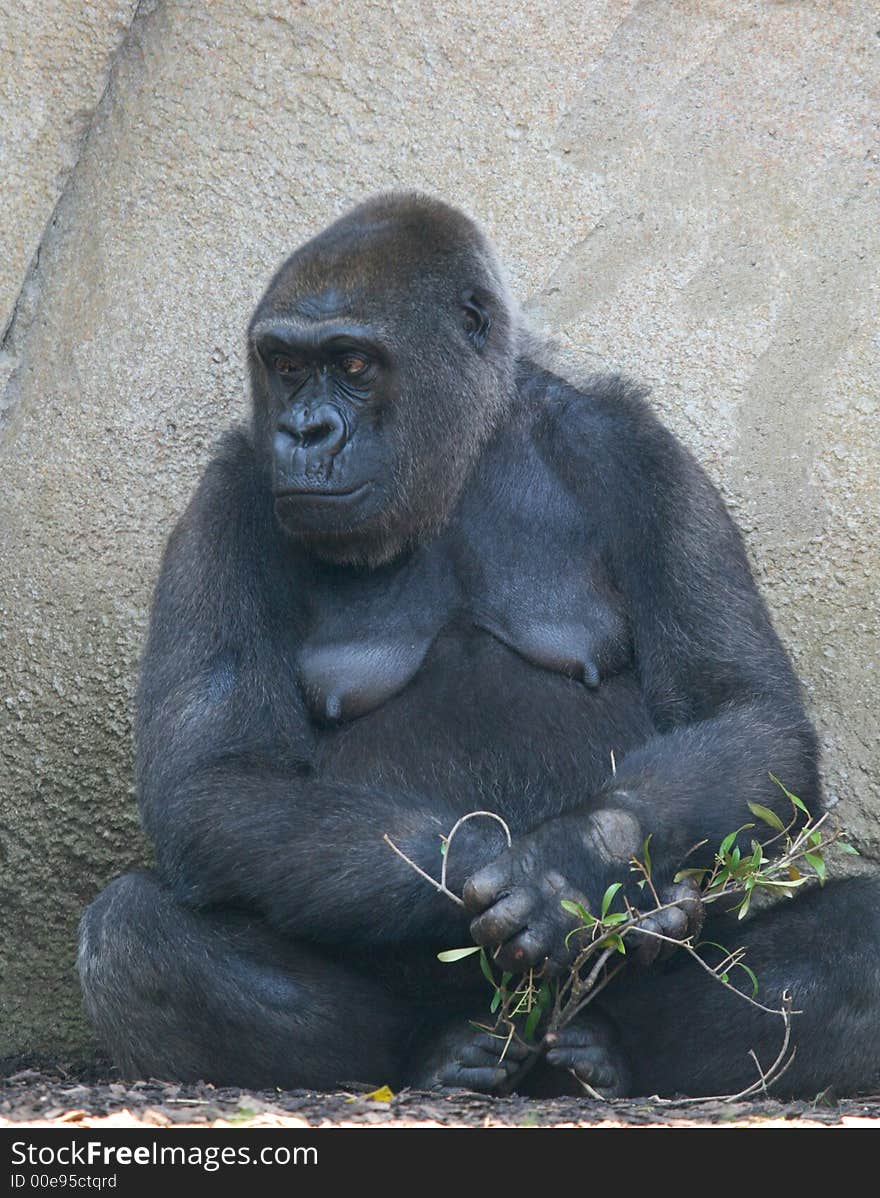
<point>369,637</point>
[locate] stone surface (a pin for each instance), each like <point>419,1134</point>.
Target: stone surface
<point>685,191</point>
<point>54,64</point>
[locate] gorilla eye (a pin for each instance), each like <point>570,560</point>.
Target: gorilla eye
<point>285,364</point>
<point>352,364</point>
<point>476,320</point>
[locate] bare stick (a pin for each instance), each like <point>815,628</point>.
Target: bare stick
<point>437,885</point>
<point>458,823</point>
<point>711,972</point>
<point>587,1088</point>
<point>773,1074</point>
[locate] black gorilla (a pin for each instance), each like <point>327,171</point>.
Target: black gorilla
<point>433,577</point>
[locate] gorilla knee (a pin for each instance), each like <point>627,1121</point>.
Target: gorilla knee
<point>115,963</point>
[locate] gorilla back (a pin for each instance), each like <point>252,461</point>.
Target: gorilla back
<point>433,577</point>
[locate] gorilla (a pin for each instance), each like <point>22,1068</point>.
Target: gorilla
<point>431,576</point>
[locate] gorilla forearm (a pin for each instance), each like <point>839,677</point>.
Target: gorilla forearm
<point>311,856</point>
<point>694,783</point>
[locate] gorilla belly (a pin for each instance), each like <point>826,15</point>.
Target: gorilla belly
<point>495,731</point>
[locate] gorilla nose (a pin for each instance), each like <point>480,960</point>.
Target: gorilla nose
<point>320,430</point>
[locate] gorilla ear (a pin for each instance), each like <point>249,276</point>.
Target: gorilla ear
<point>477,321</point>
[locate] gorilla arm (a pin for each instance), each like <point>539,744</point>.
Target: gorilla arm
<point>225,746</point>
<point>717,682</point>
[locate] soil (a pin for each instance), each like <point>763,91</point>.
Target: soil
<point>66,1095</point>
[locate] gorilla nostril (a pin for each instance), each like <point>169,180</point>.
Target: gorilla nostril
<point>323,429</point>
<point>316,435</point>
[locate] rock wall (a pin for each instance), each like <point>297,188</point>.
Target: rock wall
<point>685,191</point>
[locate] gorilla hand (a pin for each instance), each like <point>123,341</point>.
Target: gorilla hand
<point>517,899</point>
<point>517,902</point>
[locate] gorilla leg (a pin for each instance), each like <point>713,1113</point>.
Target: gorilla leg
<point>216,995</point>
<point>684,1033</point>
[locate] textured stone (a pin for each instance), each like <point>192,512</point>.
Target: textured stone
<point>685,191</point>
<point>54,63</point>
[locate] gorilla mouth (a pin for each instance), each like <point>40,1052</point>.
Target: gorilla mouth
<point>317,493</point>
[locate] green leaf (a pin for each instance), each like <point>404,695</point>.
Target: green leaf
<point>815,838</point>
<point>608,897</point>
<point>457,954</point>
<point>614,941</point>
<point>573,932</point>
<point>848,848</point>
<point>646,854</point>
<point>532,1021</point>
<point>768,816</point>
<point>579,910</point>
<point>690,873</point>
<point>615,918</point>
<point>751,974</point>
<point>744,907</point>
<point>495,1003</point>
<point>726,843</point>
<point>714,944</point>
<point>818,865</point>
<point>444,845</point>
<point>486,967</point>
<point>730,839</point>
<point>791,798</point>
<point>545,996</point>
<point>788,885</point>
<point>505,979</point>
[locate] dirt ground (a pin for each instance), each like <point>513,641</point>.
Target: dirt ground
<point>80,1097</point>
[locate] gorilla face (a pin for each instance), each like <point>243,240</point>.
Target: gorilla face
<point>326,387</point>
<point>380,364</point>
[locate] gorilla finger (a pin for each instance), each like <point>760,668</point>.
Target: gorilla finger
<point>673,923</point>
<point>575,1035</point>
<point>484,887</point>
<point>595,1070</point>
<point>507,917</point>
<point>484,1080</point>
<point>479,1058</point>
<point>686,892</point>
<point>690,901</point>
<point>647,946</point>
<point>529,950</point>
<point>515,1050</point>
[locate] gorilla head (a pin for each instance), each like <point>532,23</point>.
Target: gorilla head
<point>381,360</point>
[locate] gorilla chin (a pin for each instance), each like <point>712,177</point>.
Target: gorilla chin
<point>347,525</point>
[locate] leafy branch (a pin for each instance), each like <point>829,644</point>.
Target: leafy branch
<point>526,1004</point>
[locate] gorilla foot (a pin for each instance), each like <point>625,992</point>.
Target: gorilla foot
<point>588,1053</point>
<point>463,1057</point>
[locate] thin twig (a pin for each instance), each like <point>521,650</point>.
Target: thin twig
<point>587,1088</point>
<point>595,992</point>
<point>711,972</point>
<point>577,991</point>
<point>437,885</point>
<point>779,1067</point>
<point>458,823</point>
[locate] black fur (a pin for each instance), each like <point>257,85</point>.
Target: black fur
<point>529,577</point>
